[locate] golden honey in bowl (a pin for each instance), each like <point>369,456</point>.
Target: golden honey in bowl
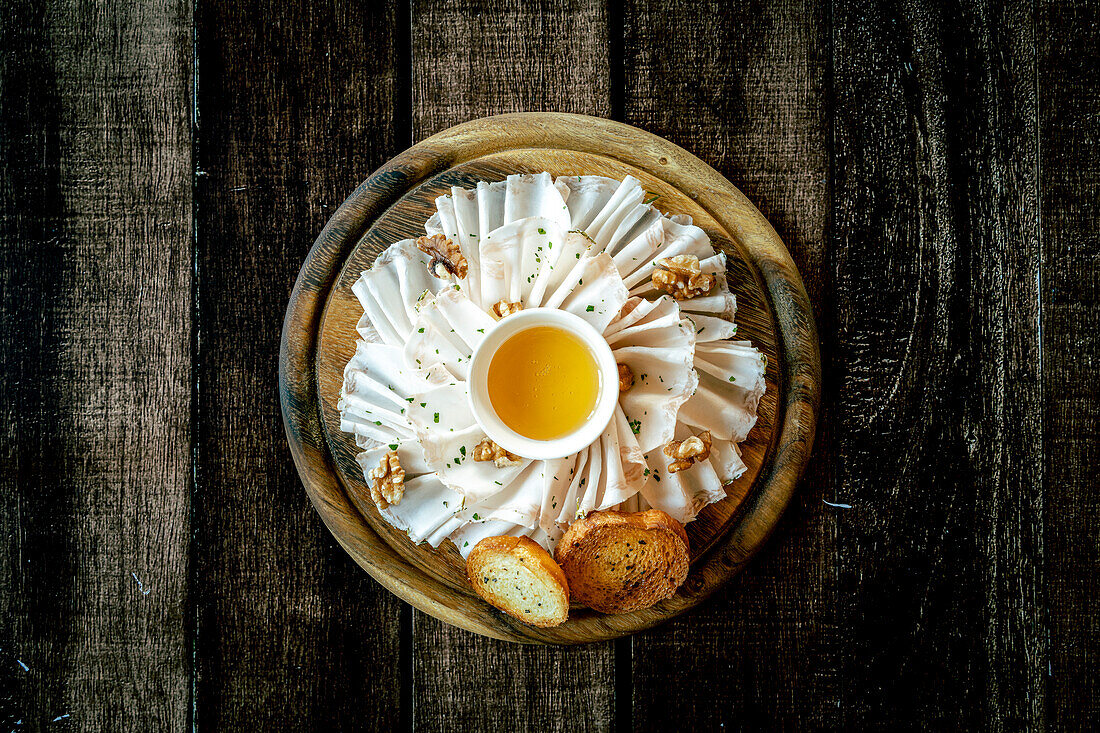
<point>543,382</point>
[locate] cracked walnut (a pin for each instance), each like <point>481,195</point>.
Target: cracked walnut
<point>506,308</point>
<point>487,450</point>
<point>681,277</point>
<point>388,481</point>
<point>686,453</point>
<point>626,378</point>
<point>447,259</point>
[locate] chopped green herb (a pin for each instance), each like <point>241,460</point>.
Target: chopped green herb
<point>393,446</point>
<point>542,231</point>
<point>583,234</point>
<point>437,417</point>
<point>590,308</point>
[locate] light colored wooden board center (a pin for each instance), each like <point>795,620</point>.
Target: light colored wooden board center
<point>406,220</point>
<point>319,337</point>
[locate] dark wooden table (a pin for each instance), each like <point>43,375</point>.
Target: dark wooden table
<point>934,170</point>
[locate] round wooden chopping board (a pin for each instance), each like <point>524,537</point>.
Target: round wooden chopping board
<point>393,204</point>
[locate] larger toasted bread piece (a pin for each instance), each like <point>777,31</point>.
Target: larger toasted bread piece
<point>617,562</point>
<point>516,575</point>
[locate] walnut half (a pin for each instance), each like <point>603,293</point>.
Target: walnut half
<point>688,452</point>
<point>388,481</point>
<point>506,308</point>
<point>447,259</point>
<point>487,450</point>
<point>626,378</point>
<point>681,277</point>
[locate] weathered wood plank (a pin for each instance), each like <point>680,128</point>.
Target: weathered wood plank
<point>95,340</point>
<point>743,87</point>
<point>922,602</point>
<point>297,103</point>
<point>1069,135</point>
<point>938,401</point>
<point>466,682</point>
<point>472,59</point>
<point>478,57</point>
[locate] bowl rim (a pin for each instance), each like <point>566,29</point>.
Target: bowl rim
<point>565,445</point>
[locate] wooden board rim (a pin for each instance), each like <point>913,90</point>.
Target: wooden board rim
<point>783,289</point>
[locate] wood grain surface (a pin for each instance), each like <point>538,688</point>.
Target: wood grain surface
<point>1069,152</point>
<point>933,168</point>
<point>95,357</point>
<point>288,631</point>
<point>935,163</point>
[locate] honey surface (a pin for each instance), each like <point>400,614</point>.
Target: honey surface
<point>543,383</point>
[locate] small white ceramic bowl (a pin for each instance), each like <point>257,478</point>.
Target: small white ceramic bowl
<point>509,439</point>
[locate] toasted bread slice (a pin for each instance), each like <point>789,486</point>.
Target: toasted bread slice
<point>520,578</point>
<point>619,561</point>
